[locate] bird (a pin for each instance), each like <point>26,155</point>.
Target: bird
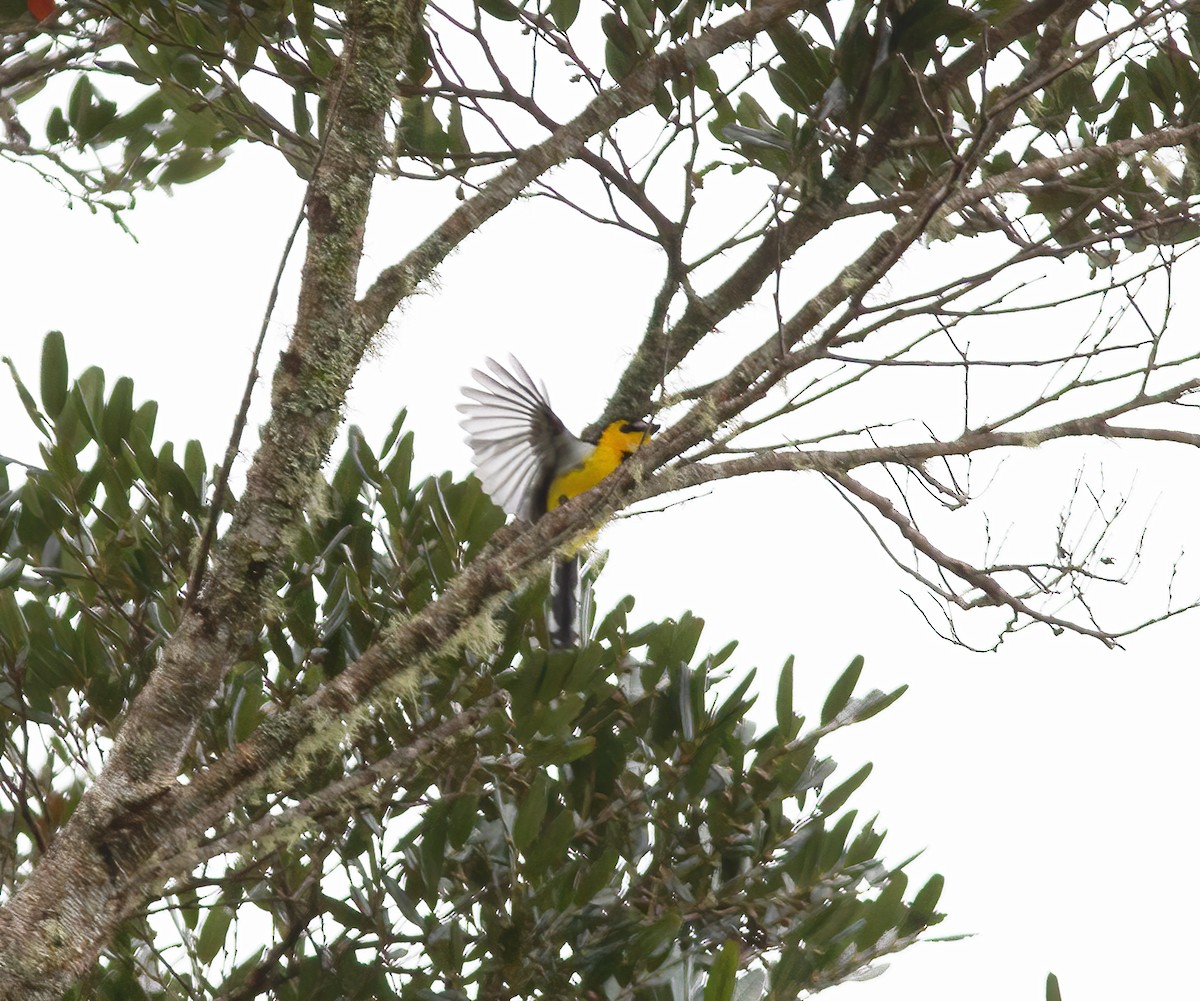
<point>530,464</point>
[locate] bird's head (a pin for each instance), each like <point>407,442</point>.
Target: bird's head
<point>626,437</point>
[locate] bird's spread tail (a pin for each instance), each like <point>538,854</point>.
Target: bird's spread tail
<point>564,602</point>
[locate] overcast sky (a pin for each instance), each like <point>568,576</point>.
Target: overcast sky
<point>1052,783</point>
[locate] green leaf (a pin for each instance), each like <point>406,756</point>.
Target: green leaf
<point>57,130</point>
<point>924,905</point>
<point>194,465</point>
<point>502,10</point>
<point>785,713</point>
<point>10,571</point>
<point>597,876</point>
<point>189,166</point>
<point>640,12</point>
<point>54,373</point>
<point>13,631</point>
<point>788,90</point>
<point>564,12</point>
<point>1052,991</point>
<point>926,21</point>
<point>345,914</point>
<point>751,987</point>
<point>213,933</point>
<point>621,49</point>
<point>301,116</point>
<point>657,936</point>
<point>189,907</point>
<point>393,435</point>
<point>26,397</point>
<point>549,851</point>
<point>434,829</point>
<point>245,51</point>
<point>90,393</point>
<point>723,973</point>
<point>142,436</point>
<point>843,689</point>
<point>118,414</point>
<point>79,102</point>
<point>886,913</point>
<point>531,813</point>
<point>875,702</point>
<point>461,820</point>
<point>172,479</point>
<point>836,798</point>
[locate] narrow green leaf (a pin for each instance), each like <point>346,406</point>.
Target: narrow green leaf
<point>531,813</point>
<point>502,10</point>
<point>189,907</point>
<point>597,876</point>
<point>54,373</point>
<point>751,987</point>
<point>212,934</point>
<point>142,437</point>
<point>194,465</point>
<point>90,390</point>
<point>841,692</point>
<point>393,434</point>
<point>836,798</point>
<point>80,101</point>
<point>13,631</point>
<point>461,820</point>
<point>457,144</point>
<point>875,702</point>
<point>924,904</point>
<point>549,851</point>
<point>434,829</point>
<point>785,712</point>
<point>10,571</point>
<point>723,973</point>
<point>658,935</point>
<point>27,400</point>
<point>118,414</point>
<point>1052,991</point>
<point>886,913</point>
<point>305,17</point>
<point>57,130</point>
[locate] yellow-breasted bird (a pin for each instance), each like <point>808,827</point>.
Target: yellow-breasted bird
<point>529,463</point>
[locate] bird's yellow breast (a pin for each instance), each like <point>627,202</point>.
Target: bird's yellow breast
<point>614,446</point>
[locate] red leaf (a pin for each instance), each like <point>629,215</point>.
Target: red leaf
<point>41,9</point>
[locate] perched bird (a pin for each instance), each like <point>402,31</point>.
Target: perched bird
<point>529,463</point>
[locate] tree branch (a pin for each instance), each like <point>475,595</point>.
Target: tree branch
<point>633,93</point>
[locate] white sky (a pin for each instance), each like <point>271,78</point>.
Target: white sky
<point>1051,782</point>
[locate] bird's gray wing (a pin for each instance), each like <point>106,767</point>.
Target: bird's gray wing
<point>515,435</point>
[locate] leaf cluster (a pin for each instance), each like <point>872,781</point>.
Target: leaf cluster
<point>187,82</point>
